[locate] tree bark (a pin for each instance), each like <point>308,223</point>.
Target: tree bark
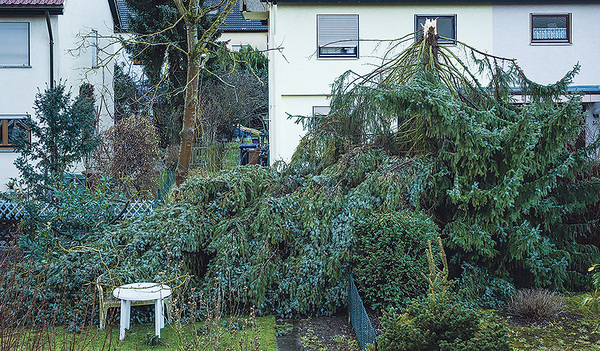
<point>191,18</point>
<point>196,47</point>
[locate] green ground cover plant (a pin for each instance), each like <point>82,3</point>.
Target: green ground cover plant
<point>575,329</point>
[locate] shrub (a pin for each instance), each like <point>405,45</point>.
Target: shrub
<point>388,257</point>
<point>478,288</point>
<point>64,222</point>
<point>62,133</point>
<point>440,324</point>
<point>134,156</point>
<point>536,304</point>
<point>440,321</point>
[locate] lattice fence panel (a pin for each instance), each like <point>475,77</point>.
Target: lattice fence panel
<point>135,208</point>
<point>10,211</point>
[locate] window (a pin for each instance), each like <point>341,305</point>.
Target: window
<point>551,28</point>
<point>321,111</point>
<point>240,47</point>
<point>14,44</point>
<point>337,35</point>
<point>446,27</point>
<point>11,126</point>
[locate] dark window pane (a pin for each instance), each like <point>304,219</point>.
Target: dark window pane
<point>446,27</point>
<point>16,131</point>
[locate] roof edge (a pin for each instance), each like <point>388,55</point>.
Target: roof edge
<point>40,10</point>
<point>516,2</point>
<point>114,11</point>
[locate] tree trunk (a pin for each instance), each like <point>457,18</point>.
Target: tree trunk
<point>196,46</point>
<point>191,97</point>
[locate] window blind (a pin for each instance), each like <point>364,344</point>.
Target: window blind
<point>337,30</point>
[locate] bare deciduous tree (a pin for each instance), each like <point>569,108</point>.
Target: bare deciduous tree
<point>192,12</point>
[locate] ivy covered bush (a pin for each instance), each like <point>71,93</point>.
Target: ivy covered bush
<point>388,259</point>
<point>267,239</point>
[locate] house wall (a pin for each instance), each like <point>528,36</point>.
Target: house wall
<point>76,56</point>
<point>547,63</point>
<point>258,40</point>
<point>18,86</point>
<point>300,80</point>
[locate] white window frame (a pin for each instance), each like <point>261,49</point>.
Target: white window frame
<point>27,62</point>
<point>569,29</point>
<point>4,122</point>
<point>337,36</point>
<point>419,29</point>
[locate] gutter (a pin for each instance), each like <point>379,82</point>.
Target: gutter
<point>51,43</point>
<point>20,10</point>
<point>114,11</point>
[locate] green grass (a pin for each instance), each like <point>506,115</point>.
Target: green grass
<point>173,337</point>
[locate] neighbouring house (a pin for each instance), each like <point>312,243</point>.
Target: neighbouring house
<point>43,42</point>
<point>122,30</point>
<point>312,42</point>
<point>242,32</point>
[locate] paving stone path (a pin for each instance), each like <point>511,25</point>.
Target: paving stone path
<point>291,340</point>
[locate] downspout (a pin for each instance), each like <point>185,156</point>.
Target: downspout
<point>51,48</point>
<point>274,134</point>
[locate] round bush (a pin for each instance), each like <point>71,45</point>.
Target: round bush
<point>389,257</point>
<point>441,324</point>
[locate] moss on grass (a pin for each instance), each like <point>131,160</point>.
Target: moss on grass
<point>578,328</point>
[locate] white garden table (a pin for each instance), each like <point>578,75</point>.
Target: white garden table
<point>142,292</point>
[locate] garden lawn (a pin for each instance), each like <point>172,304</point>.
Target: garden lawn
<point>578,328</point>
<point>141,337</point>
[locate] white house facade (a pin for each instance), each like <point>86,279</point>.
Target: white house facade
<point>546,54</point>
<point>302,67</point>
<point>43,42</point>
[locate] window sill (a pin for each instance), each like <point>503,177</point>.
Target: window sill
<point>557,43</point>
<point>7,150</point>
<point>337,57</point>
<point>3,66</point>
<point>445,43</point>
